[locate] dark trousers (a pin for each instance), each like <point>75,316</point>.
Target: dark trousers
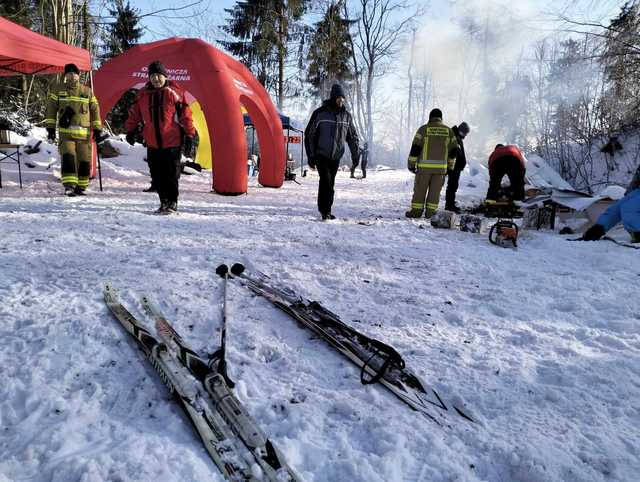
<point>164,165</point>
<point>353,168</point>
<point>327,169</point>
<point>363,166</point>
<point>453,181</point>
<point>511,167</point>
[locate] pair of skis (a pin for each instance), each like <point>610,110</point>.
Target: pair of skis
<point>234,441</point>
<point>378,362</point>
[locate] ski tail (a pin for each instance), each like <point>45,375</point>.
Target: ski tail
<point>233,462</point>
<point>225,404</point>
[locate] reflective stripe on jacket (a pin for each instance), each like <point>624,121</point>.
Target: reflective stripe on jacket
<point>86,111</point>
<point>327,131</point>
<point>432,147</point>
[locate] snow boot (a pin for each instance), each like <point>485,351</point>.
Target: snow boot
<point>79,191</point>
<point>328,217</point>
<point>162,209</point>
<point>69,191</point>
<point>413,213</point>
<point>453,208</point>
<point>635,237</point>
<point>172,207</point>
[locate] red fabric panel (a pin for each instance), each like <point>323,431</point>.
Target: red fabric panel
<point>221,85</point>
<point>508,150</point>
<point>25,52</point>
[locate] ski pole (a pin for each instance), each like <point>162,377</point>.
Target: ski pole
<point>223,272</point>
<point>99,166</point>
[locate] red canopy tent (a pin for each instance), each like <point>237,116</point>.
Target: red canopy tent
<point>25,52</point>
<point>222,85</point>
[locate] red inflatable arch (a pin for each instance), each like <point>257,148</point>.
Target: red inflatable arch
<point>221,85</point>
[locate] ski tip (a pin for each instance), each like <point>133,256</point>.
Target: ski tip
<point>237,269</point>
<point>222,270</point>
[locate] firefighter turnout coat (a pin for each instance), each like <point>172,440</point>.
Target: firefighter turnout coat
<point>74,110</point>
<point>432,153</point>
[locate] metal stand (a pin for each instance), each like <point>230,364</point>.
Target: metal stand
<point>15,157</point>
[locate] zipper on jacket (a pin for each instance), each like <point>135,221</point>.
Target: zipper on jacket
<point>154,106</point>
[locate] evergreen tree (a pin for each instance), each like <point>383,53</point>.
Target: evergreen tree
<point>122,34</point>
<point>621,59</point>
<point>330,51</point>
<point>18,11</point>
<point>261,32</point>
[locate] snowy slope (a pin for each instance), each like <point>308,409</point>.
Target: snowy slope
<point>541,344</point>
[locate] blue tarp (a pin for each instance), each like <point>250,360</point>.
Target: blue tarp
<point>287,122</point>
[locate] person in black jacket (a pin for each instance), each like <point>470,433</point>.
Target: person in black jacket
<point>364,157</point>
<point>453,179</point>
<point>328,129</point>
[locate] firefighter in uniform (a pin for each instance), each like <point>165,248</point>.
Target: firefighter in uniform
<point>432,154</point>
<point>74,109</point>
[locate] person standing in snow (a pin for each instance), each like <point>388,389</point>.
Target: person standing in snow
<point>364,158</point>
<point>75,111</point>
<point>626,210</point>
<point>453,175</point>
<point>167,127</point>
<point>430,159</point>
<point>506,160</point>
<point>330,126</point>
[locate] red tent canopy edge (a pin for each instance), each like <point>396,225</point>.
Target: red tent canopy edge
<point>23,51</point>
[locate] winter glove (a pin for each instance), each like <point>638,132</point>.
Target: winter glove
<point>131,138</point>
<point>99,136</point>
<point>412,169</point>
<point>51,134</point>
<point>312,163</point>
<point>594,233</point>
<point>188,145</point>
<point>66,117</point>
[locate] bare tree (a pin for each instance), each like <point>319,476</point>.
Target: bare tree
<point>382,26</point>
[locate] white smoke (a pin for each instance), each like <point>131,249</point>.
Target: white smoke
<point>471,49</point>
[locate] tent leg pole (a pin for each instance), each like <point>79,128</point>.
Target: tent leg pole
<point>26,101</point>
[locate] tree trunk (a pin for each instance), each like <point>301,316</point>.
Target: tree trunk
<point>410,98</point>
<point>282,52</point>
<point>369,126</point>
<point>358,106</point>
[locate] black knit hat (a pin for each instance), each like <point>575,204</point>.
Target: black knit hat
<point>71,68</point>
<point>435,113</point>
<point>336,91</point>
<point>464,129</point>
<point>156,67</point>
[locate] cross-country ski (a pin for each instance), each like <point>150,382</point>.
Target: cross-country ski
<point>352,241</point>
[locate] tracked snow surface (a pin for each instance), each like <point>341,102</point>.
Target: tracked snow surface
<point>541,345</point>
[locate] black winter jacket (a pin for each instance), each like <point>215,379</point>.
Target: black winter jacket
<point>327,131</point>
<point>461,157</point>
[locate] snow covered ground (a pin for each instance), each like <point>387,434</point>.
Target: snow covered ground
<point>540,344</point>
